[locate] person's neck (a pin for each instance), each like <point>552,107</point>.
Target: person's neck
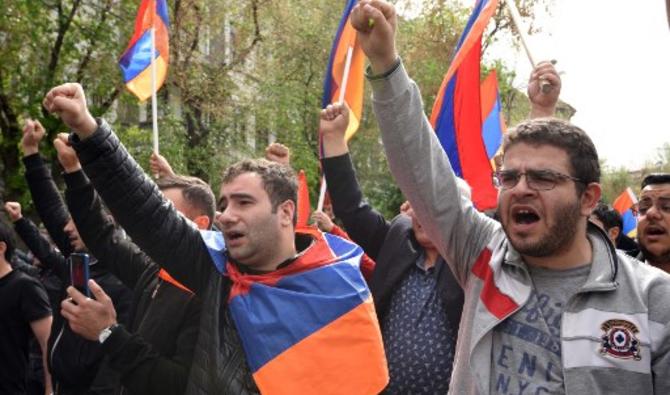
<point>5,268</point>
<point>286,250</point>
<point>431,257</point>
<point>578,253</point>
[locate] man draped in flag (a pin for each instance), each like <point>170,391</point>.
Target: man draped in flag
<point>136,61</point>
<point>283,311</point>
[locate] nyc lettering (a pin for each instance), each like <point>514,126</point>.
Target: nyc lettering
<point>528,367</point>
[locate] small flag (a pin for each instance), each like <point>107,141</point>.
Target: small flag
<point>304,206</point>
<point>135,63</point>
<point>457,112</point>
<point>624,204</point>
<point>493,127</point>
<point>345,38</point>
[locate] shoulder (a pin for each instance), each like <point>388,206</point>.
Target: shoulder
<point>652,285</point>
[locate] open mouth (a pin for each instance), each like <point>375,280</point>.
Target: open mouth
<point>232,236</point>
<point>525,216</point>
<point>654,230</point>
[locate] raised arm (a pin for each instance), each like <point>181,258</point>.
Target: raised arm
<point>48,201</point>
<point>366,226</point>
<point>135,201</point>
<point>416,158</point>
<point>48,256</point>
<point>119,255</point>
<point>543,101</point>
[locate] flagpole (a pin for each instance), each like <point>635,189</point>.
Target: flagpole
<point>154,105</point>
<point>516,19</point>
<point>340,99</point>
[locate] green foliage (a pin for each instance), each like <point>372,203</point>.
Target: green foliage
<point>241,74</point>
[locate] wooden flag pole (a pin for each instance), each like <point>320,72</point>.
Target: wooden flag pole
<point>154,105</point>
<point>340,99</point>
<point>516,19</point>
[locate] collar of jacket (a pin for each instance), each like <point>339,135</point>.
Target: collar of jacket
<point>604,267</point>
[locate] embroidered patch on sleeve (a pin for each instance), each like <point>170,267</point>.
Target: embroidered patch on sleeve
<point>619,339</point>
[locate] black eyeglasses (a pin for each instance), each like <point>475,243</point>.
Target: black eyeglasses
<point>538,180</point>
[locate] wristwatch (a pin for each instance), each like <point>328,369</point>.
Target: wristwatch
<point>105,333</point>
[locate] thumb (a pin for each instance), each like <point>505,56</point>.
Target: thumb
<point>97,292</point>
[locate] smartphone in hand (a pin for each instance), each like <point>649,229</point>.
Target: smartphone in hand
<point>79,274</point>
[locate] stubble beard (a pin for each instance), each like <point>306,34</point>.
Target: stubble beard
<point>558,237</point>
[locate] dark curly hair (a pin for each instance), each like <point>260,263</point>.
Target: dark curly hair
<point>564,135</point>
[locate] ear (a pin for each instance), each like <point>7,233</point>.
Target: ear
<point>202,221</point>
<point>286,211</point>
<point>613,232</point>
<point>3,248</point>
<point>590,198</point>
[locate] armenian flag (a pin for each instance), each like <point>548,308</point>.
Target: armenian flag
<point>304,206</point>
<point>493,127</point>
<point>624,204</point>
<point>333,83</point>
<point>135,63</point>
<point>457,112</point>
<point>309,327</point>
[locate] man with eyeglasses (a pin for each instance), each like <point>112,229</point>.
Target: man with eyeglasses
<point>550,306</point>
<point>653,225</point>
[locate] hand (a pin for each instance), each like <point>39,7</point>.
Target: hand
<point>13,210</point>
<point>69,103</point>
<point>87,316</point>
<point>66,154</point>
<point>375,21</point>
<point>333,126</point>
<point>279,153</point>
<point>543,100</point>
<point>159,165</point>
<point>323,221</point>
<point>33,133</point>
<point>405,207</point>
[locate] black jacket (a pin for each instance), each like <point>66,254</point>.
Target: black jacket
<point>76,364</point>
<point>219,365</point>
<point>154,354</point>
<point>390,244</point>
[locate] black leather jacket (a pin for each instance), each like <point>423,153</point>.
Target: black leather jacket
<point>219,365</point>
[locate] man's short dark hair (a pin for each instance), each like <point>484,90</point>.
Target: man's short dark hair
<point>564,135</point>
<point>195,191</point>
<point>608,216</point>
<point>7,236</point>
<point>656,178</point>
<point>279,181</point>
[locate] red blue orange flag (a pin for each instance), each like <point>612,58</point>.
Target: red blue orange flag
<point>304,206</point>
<point>457,112</point>
<point>135,63</point>
<point>345,38</point>
<point>493,124</point>
<point>309,327</point>
<point>624,204</point>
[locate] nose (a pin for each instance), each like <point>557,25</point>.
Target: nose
<point>228,216</point>
<point>653,212</point>
<point>521,188</point>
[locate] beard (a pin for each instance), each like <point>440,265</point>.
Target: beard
<point>558,237</point>
<point>662,259</point>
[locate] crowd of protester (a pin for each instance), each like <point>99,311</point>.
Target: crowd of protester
<point>549,296</point>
